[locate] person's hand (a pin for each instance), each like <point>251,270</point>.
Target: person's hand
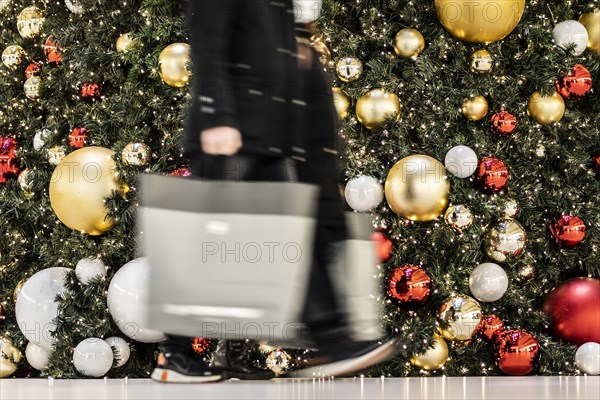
<point>221,141</point>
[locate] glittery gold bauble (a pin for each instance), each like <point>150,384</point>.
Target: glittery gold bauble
<point>278,361</point>
<point>462,316</point>
<point>174,64</point>
<point>376,107</point>
<point>12,56</point>
<point>123,42</point>
<point>546,109</point>
<point>409,43</point>
<point>479,21</point>
<point>434,358</point>
<point>505,240</point>
<point>136,154</point>
<point>481,61</point>
<point>79,186</point>
<point>475,108</point>
<point>30,22</point>
<point>341,100</point>
<point>349,69</point>
<point>459,217</point>
<point>32,87</point>
<point>18,288</point>
<point>417,188</point>
<point>10,357</point>
<point>591,21</point>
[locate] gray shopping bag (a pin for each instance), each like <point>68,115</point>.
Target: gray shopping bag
<point>229,260</point>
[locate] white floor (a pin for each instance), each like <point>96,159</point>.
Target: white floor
<point>523,388</point>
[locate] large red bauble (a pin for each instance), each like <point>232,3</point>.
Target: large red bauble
<point>490,327</point>
<point>503,123</point>
<point>52,51</point>
<point>568,231</point>
<point>574,307</point>
<point>384,245</point>
<point>491,175</point>
<point>9,168</point>
<point>77,137</point>
<point>516,352</point>
<point>575,84</point>
<point>409,285</point>
<point>596,163</point>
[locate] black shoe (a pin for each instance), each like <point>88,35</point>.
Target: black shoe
<point>346,358</point>
<point>185,367</point>
<point>230,356</point>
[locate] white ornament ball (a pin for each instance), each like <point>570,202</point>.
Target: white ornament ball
<point>128,299</point>
<point>36,308</point>
<point>306,11</point>
<point>93,357</point>
<point>488,282</point>
<point>75,6</point>
<point>587,358</point>
<point>461,161</point>
<point>571,31</point>
<point>37,356</point>
<point>364,193</point>
<point>121,350</point>
<point>88,269</point>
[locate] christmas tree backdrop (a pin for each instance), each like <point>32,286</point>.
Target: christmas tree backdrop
<point>475,246</point>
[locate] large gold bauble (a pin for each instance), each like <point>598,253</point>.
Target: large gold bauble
<point>30,22</point>
<point>123,43</point>
<point>417,188</point>
<point>341,100</point>
<point>409,43</point>
<point>376,107</point>
<point>10,357</point>
<point>546,109</point>
<point>462,315</point>
<point>174,64</point>
<point>434,358</point>
<point>79,186</point>
<point>591,21</point>
<point>505,241</point>
<point>475,108</point>
<point>480,21</point>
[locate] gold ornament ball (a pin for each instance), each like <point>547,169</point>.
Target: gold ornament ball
<point>79,186</point>
<point>475,108</point>
<point>459,217</point>
<point>316,42</point>
<point>481,61</point>
<point>376,107</point>
<point>417,188</point>
<point>505,241</point>
<point>123,43</point>
<point>479,21</point>
<point>12,56</point>
<point>30,22</point>
<point>278,361</point>
<point>32,87</point>
<point>10,357</point>
<point>434,358</point>
<point>591,21</point>
<point>409,43</point>
<point>136,154</point>
<point>462,316</point>
<point>349,69</point>
<point>341,100</point>
<point>56,154</point>
<point>546,109</point>
<point>174,64</point>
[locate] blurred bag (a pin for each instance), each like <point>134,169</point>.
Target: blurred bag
<point>229,260</point>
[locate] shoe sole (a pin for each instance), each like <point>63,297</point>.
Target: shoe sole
<point>170,376</point>
<point>341,368</point>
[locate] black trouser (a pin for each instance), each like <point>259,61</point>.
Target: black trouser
<point>321,315</point>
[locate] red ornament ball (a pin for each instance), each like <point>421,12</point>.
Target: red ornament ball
<point>568,231</point>
<point>490,327</point>
<point>32,69</point>
<point>77,137</point>
<point>9,168</point>
<point>576,84</point>
<point>409,285</point>
<point>384,245</point>
<point>574,307</point>
<point>91,90</point>
<point>517,352</point>
<point>491,175</point>
<point>200,345</point>
<point>52,51</point>
<point>596,163</point>
<point>503,123</point>
<point>182,172</point>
